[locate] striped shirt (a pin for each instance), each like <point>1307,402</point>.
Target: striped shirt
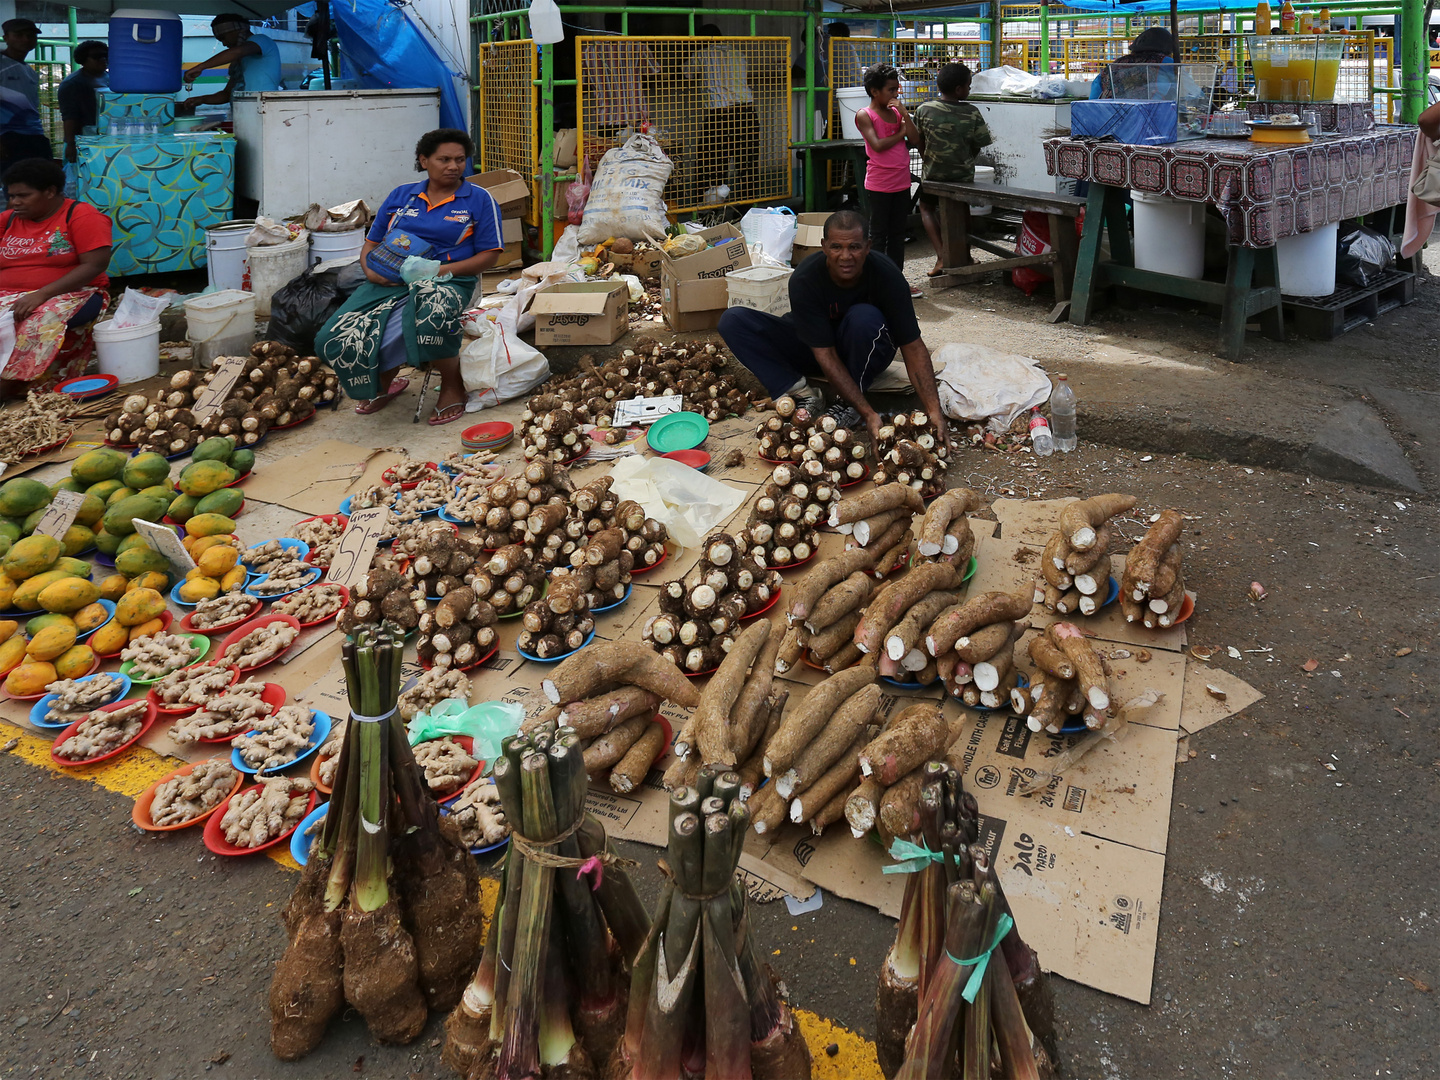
<point>615,72</point>
<point>724,74</point>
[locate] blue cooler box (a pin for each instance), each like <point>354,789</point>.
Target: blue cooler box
<point>145,51</point>
<point>1142,123</point>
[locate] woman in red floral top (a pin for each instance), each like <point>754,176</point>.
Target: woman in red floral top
<point>53,255</point>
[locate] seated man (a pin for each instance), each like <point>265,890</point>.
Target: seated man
<point>849,307</point>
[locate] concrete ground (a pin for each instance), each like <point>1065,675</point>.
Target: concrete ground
<point>1297,937</point>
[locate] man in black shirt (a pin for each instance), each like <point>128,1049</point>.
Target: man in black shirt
<point>849,308</point>
<point>79,108</point>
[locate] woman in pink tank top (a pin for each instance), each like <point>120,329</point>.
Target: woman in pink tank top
<point>888,131</point>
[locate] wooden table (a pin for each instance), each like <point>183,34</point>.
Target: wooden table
<point>956,241</point>
<point>816,155</point>
<point>1265,192</point>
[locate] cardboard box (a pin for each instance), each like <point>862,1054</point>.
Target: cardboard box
<point>693,304</point>
<point>513,255</point>
<point>809,234</point>
<point>511,190</point>
<point>715,261</point>
<point>581,313</point>
<point>1143,123</point>
<point>643,264</point>
<point>512,231</point>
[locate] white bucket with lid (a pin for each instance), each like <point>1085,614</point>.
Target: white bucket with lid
<point>219,324</point>
<point>327,246</point>
<point>131,353</point>
<point>764,288</point>
<point>273,266</point>
<point>225,254</point>
<point>1169,235</point>
<point>984,174</point>
<point>851,99</point>
<point>1307,261</point>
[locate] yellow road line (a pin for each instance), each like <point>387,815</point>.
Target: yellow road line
<point>132,773</point>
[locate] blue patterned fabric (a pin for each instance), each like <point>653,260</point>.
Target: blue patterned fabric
<point>1139,123</point>
<point>158,108</point>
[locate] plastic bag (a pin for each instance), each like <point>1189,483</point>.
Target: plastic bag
<point>687,502</point>
<point>1363,256</point>
<point>1051,86</point>
<point>496,365</point>
<point>139,309</point>
<point>415,269</point>
<point>994,80</point>
<point>268,231</point>
<point>567,248</point>
<point>628,196</point>
<point>978,382</point>
<point>489,723</point>
<point>301,307</point>
<point>7,337</point>
<point>578,194</point>
<point>771,230</point>
<point>1034,239</point>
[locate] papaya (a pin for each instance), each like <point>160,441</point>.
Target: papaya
<point>52,641</point>
<point>217,561</point>
<point>68,484</point>
<point>30,678</point>
<point>233,580</point>
<point>27,596</point>
<point>104,489</point>
<point>91,510</point>
<point>242,461</point>
<point>144,470</point>
<point>226,502</point>
<point>120,517</point>
<point>122,492</point>
<point>95,466</point>
<point>182,509</point>
<point>77,538</point>
<point>31,520</point>
<point>201,477</point>
<point>209,525</point>
<point>138,606</point>
<point>12,651</point>
<point>74,567</point>
<point>113,587</point>
<point>30,556</point>
<point>201,544</point>
<point>216,448</point>
<point>199,588</point>
<point>90,616</point>
<point>145,629</point>
<point>107,542</point>
<point>163,492</point>
<point>69,595</point>
<point>7,629</point>
<point>4,545</point>
<point>108,640</point>
<point>159,580</point>
<point>74,662</point>
<point>8,588</point>
<point>10,528</point>
<point>133,540</point>
<point>140,560</point>
<point>22,496</point>
<point>39,622</point>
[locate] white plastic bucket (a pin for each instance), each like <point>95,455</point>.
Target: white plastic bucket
<point>219,324</point>
<point>984,174</point>
<point>1307,262</point>
<point>130,354</point>
<point>851,99</point>
<point>274,266</point>
<point>764,288</point>
<point>325,246</point>
<point>1169,235</point>
<point>225,253</point>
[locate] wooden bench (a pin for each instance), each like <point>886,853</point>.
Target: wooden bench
<point>956,241</point>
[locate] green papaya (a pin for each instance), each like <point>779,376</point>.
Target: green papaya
<point>73,567</point>
<point>39,622</point>
<point>202,477</point>
<point>183,508</point>
<point>11,527</point>
<point>107,543</point>
<point>31,520</point>
<point>68,484</point>
<point>140,560</point>
<point>94,466</point>
<point>22,496</point>
<point>119,518</point>
<point>226,501</point>
<point>218,448</point>
<point>77,538</point>
<point>103,489</point>
<point>122,492</point>
<point>92,509</point>
<point>128,542</point>
<point>145,470</point>
<point>242,461</point>
<point>163,492</point>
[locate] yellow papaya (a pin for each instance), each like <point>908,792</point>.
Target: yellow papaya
<point>74,662</point>
<point>139,606</point>
<point>152,579</point>
<point>89,617</point>
<point>30,556</point>
<point>7,629</point>
<point>27,596</point>
<point>209,525</point>
<point>202,477</point>
<point>52,641</point>
<point>114,586</point>
<point>12,651</point>
<point>107,641</point>
<point>145,629</point>
<point>74,567</point>
<point>218,561</point>
<point>69,595</point>
<point>234,580</point>
<point>77,539</point>
<point>8,585</point>
<point>30,678</point>
<point>202,544</point>
<point>199,588</point>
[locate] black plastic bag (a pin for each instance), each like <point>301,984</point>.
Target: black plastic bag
<point>301,307</point>
<point>1363,256</point>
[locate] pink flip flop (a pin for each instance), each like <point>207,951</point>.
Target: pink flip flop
<point>437,418</point>
<point>374,405</point>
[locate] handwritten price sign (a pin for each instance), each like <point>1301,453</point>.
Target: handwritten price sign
<point>357,546</point>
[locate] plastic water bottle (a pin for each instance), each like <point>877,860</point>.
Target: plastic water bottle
<point>1040,441</point>
<point>1062,415</point>
<point>546,27</point>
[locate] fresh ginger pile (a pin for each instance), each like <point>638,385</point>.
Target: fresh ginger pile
<point>277,739</point>
<point>265,812</point>
<point>238,709</point>
<point>102,731</point>
<point>446,765</point>
<point>185,798</point>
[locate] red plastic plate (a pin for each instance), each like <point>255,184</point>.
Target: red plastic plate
<point>245,628</point>
<point>646,569</point>
<point>273,695</point>
<point>490,432</point>
<point>224,628</point>
<point>345,599</point>
<point>145,726</point>
<point>389,476</point>
<point>183,710</point>
<point>215,835</point>
<point>140,812</point>
<point>792,565</point>
<point>696,459</point>
<point>773,601</point>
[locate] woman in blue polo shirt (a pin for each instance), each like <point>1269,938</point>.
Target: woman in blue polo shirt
<point>409,314</point>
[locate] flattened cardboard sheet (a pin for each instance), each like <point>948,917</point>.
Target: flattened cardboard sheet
<point>317,480</point>
<point>1201,708</point>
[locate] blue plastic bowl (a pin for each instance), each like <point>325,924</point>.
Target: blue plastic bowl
<point>41,707</point>
<point>299,842</point>
<point>323,724</point>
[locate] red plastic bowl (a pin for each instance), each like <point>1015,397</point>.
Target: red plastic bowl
<point>140,812</point>
<point>491,432</point>
<point>782,567</point>
<point>145,726</point>
<point>166,619</point>
<point>1187,608</point>
<point>273,695</point>
<point>224,628</point>
<point>389,476</point>
<point>470,667</point>
<point>646,569</point>
<point>184,710</point>
<point>468,745</point>
<point>696,459</point>
<point>342,519</point>
<point>254,624</point>
<point>215,835</point>
<point>852,483</point>
<point>756,614</point>
<point>345,599</point>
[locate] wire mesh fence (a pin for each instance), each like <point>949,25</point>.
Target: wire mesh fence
<point>508,113</point>
<point>719,107</point>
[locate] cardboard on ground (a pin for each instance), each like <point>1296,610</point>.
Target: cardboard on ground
<point>318,480</point>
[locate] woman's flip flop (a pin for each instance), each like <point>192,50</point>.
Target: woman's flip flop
<point>437,417</point>
<point>374,405</point>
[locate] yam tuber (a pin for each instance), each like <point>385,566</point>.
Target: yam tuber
<point>1088,667</point>
<point>834,783</point>
<point>849,721</point>
<point>712,714</point>
<point>987,608</point>
<point>1143,562</point>
<point>889,605</point>
<point>955,503</point>
<point>1080,520</point>
<point>613,663</point>
<point>908,741</point>
<point>825,576</point>
<point>876,501</point>
<point>852,594</point>
<point>809,718</point>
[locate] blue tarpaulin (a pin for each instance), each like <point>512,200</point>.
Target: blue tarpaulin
<point>386,51</point>
<point>1151,7</point>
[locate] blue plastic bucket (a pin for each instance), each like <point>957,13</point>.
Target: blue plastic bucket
<point>145,48</point>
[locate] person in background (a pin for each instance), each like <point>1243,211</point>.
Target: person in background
<point>415,319</point>
<point>53,256</point>
<point>616,73</point>
<point>952,134</point>
<point>79,107</point>
<point>1154,46</point>
<point>730,126</point>
<point>21,134</point>
<point>253,61</point>
<point>848,71</point>
<point>888,132</point>
<point>847,313</point>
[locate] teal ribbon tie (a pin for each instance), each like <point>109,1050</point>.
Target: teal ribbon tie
<point>911,858</point>
<point>981,962</point>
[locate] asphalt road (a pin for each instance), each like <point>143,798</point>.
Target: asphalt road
<point>1297,936</point>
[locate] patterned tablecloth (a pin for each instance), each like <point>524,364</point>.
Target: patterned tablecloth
<point>1264,192</point>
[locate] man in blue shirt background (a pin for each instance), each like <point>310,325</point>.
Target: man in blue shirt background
<point>21,135</point>
<point>253,60</point>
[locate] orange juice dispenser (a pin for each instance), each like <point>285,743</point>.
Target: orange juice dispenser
<point>1295,67</point>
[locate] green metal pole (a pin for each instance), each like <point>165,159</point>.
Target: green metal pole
<point>997,32</point>
<point>547,148</point>
<point>812,42</point>
<point>74,24</point>
<point>1044,37</point>
<point>1414,60</point>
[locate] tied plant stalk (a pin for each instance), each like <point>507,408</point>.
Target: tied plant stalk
<point>386,914</point>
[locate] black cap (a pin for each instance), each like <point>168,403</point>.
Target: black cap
<point>18,24</point>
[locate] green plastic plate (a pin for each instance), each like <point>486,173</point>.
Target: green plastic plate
<point>677,431</point>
